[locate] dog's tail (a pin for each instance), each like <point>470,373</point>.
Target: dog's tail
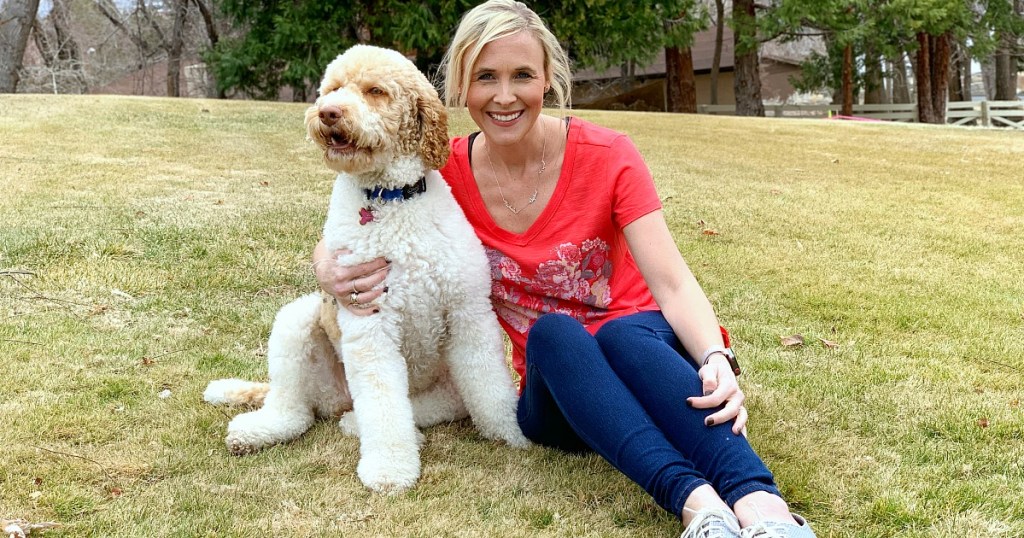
<point>236,392</point>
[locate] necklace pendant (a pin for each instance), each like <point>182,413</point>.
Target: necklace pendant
<point>533,198</point>
<point>511,208</point>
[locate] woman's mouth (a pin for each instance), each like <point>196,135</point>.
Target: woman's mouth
<point>505,117</point>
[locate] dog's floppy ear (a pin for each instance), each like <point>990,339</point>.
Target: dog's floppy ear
<point>433,117</point>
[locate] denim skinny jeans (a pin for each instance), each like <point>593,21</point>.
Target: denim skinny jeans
<point>622,394</point>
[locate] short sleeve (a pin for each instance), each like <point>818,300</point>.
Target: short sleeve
<point>634,193</point>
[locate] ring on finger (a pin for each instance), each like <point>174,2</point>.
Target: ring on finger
<point>354,289</point>
<point>353,298</point>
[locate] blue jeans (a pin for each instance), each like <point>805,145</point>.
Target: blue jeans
<point>622,394</point>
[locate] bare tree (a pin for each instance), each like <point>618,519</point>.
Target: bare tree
<point>150,36</point>
<point>61,55</point>
<point>16,18</point>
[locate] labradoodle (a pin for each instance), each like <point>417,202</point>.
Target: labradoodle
<point>434,351</point>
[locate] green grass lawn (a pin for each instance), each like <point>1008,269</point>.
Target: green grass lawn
<point>145,245</point>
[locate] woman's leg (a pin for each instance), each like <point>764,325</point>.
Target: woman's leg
<point>646,355</point>
<point>573,400</point>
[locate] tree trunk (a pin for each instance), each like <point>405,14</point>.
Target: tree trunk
<point>874,81</point>
<point>847,109</point>
<point>68,51</point>
<point>1006,68</point>
<point>988,77</point>
<point>716,61</point>
<point>174,46</point>
<point>747,83</point>
<point>16,18</point>
<point>956,86</point>
<point>680,86</point>
<point>965,73</point>
<point>214,36</point>
<point>923,79</point>
<point>932,77</point>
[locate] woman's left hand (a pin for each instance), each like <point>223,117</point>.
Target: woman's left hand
<point>721,387</point>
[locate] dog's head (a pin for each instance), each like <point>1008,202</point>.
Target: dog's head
<point>375,106</point>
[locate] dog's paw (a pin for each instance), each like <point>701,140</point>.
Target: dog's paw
<point>389,475</point>
<point>516,439</point>
<point>237,447</point>
<point>347,424</point>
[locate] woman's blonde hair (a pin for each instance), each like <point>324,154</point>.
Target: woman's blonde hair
<point>493,20</point>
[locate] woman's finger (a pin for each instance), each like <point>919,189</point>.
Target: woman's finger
<point>731,411</point>
<point>739,427</point>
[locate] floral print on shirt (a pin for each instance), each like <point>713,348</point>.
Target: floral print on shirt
<point>573,282</point>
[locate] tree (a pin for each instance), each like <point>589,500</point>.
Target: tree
<point>61,54</point>
<point>1007,35</point>
<point>680,83</point>
<point>288,44</point>
<point>604,33</point>
<point>16,18</point>
<point>716,61</point>
<point>747,81</point>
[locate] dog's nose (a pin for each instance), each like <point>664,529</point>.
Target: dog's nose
<point>329,115</point>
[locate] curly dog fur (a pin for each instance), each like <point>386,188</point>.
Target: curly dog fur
<point>433,353</point>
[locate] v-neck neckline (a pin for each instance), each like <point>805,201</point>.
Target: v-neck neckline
<point>546,214</point>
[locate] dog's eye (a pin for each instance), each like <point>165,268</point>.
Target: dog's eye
<point>375,91</point>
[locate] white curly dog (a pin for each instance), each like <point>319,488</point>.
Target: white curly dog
<point>434,349</point>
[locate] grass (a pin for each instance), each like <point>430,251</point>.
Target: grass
<point>158,238</point>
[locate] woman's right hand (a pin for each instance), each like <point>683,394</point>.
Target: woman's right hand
<point>355,287</point>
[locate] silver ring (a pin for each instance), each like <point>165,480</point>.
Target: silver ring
<point>352,298</point>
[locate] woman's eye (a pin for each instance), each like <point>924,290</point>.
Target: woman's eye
<point>485,76</point>
<point>523,75</point>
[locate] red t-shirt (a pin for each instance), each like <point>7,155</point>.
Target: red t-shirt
<point>574,258</point>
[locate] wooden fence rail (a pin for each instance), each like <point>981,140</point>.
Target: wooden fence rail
<point>981,113</point>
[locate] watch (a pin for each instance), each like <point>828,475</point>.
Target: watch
<point>725,352</point>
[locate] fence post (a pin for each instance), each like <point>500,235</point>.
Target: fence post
<point>702,109</point>
<point>778,111</point>
<point>985,120</point>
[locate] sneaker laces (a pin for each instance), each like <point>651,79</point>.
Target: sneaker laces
<point>763,528</point>
<point>711,523</point>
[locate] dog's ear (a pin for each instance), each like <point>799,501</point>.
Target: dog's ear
<point>433,117</point>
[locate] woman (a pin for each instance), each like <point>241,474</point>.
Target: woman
<point>610,329</point>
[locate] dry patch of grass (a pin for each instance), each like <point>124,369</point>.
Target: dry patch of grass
<point>147,244</point>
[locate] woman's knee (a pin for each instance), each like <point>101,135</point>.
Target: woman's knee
<point>552,329</point>
<point>553,336</point>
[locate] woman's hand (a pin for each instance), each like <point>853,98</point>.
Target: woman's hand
<point>721,387</point>
<point>355,287</point>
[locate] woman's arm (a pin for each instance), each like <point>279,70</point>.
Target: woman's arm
<point>363,280</point>
<point>688,311</point>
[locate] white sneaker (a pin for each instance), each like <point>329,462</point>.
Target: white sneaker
<point>777,529</point>
<point>712,523</point>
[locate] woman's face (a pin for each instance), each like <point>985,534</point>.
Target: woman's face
<point>506,88</point>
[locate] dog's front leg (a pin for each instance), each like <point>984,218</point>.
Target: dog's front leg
<point>476,362</point>
<point>378,381</point>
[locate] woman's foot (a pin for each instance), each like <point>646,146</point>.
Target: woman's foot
<point>775,529</point>
<point>711,523</point>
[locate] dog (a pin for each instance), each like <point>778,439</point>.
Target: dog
<point>433,352</point>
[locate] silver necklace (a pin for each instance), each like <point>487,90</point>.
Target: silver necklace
<point>536,184</point>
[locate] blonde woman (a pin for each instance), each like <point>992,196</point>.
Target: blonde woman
<point>618,347</point>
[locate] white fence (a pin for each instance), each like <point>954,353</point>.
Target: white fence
<point>981,113</point>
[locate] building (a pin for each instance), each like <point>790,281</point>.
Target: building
<point>645,90</point>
